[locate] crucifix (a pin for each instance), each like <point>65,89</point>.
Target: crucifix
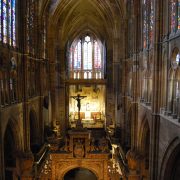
<point>78,99</point>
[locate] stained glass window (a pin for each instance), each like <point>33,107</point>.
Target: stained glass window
<point>31,24</point>
<point>71,58</point>
<point>151,22</point>
<point>87,53</point>
<point>77,56</point>
<point>97,56</point>
<point>13,23</point>
<point>5,20</point>
<point>7,23</point>
<point>178,14</point>
<point>145,28</point>
<point>85,59</point>
<point>0,22</point>
<point>148,22</point>
<point>173,15</point>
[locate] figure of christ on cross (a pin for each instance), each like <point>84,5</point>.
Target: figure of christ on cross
<point>78,99</point>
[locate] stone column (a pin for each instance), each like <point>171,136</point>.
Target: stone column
<point>26,159</point>
<point>25,104</point>
<point>61,99</point>
<point>52,68</point>
<point>132,155</point>
<point>156,93</point>
<point>41,88</point>
<point>52,90</point>
<point>135,73</point>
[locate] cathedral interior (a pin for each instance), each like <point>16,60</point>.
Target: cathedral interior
<point>90,89</point>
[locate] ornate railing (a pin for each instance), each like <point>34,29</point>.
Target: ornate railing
<point>118,164</point>
<point>42,164</point>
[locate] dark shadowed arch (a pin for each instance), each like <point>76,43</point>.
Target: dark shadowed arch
<point>170,169</point>
<point>34,139</point>
<point>144,148</point>
<point>80,174</point>
<point>9,152</point>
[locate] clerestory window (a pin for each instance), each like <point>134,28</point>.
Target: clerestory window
<point>174,15</point>
<point>8,22</point>
<point>148,22</point>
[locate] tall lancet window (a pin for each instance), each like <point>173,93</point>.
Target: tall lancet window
<point>0,21</point>
<point>77,56</point>
<point>86,58</point>
<point>32,20</point>
<point>87,54</point>
<point>13,23</point>
<point>151,23</point>
<point>7,22</point>
<point>145,23</point>
<point>174,15</point>
<point>97,60</point>
<point>148,22</point>
<point>178,14</point>
<point>97,56</point>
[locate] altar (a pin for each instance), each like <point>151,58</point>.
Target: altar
<point>87,106</point>
<point>88,120</point>
<point>88,123</point>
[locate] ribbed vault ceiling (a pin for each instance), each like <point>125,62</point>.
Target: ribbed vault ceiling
<point>72,17</point>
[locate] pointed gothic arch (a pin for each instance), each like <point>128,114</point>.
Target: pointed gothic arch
<point>144,148</point>
<point>12,146</point>
<point>9,152</point>
<point>174,83</point>
<point>14,125</point>
<point>144,130</point>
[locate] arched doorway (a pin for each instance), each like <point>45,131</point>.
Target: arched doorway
<point>9,153</point>
<point>80,174</point>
